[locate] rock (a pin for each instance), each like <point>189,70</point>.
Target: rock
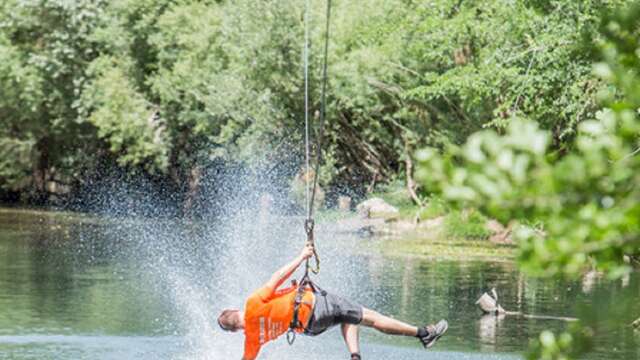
<point>54,187</point>
<point>376,207</point>
<point>431,224</point>
<point>400,226</point>
<point>361,227</point>
<point>494,226</point>
<point>344,203</point>
<point>500,234</point>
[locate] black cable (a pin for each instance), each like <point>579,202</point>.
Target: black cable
<point>322,114</point>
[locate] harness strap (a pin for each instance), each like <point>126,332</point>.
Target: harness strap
<point>295,320</point>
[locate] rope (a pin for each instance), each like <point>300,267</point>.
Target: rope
<point>309,223</point>
<point>306,100</point>
<point>322,113</point>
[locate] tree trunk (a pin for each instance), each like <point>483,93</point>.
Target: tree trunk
<point>411,184</point>
<point>40,167</point>
<point>193,187</point>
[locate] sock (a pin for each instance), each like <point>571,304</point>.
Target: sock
<point>422,332</point>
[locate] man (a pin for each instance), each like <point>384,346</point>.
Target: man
<point>268,313</point>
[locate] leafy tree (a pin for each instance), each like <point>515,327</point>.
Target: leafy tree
<point>166,88</point>
<point>576,209</point>
<point>405,75</point>
<point>572,211</point>
<point>20,89</point>
<point>124,118</point>
<point>45,48</point>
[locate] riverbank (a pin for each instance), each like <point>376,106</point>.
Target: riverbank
<point>395,226</point>
<point>397,237</point>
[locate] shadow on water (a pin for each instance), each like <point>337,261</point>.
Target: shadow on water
<point>81,287</point>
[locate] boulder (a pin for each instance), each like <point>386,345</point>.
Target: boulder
<point>431,224</point>
<point>376,207</point>
<point>344,203</point>
<point>499,233</point>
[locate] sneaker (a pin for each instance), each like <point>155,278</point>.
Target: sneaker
<point>434,332</point>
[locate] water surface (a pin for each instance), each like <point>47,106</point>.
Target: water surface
<point>79,287</point>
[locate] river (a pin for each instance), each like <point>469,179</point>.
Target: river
<point>82,287</point>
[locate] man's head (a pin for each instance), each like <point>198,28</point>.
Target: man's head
<point>230,320</point>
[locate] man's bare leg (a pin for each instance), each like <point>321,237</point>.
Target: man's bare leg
<point>386,324</point>
<point>350,333</point>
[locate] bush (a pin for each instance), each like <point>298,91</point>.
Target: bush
<point>395,193</point>
<point>466,224</point>
<point>434,208</point>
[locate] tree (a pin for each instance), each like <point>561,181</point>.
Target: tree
<point>46,47</point>
<point>572,211</point>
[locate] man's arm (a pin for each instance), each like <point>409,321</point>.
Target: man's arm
<point>285,272</point>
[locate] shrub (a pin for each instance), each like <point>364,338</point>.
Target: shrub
<point>466,224</point>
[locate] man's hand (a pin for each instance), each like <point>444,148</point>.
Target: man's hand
<point>285,272</point>
<point>307,251</point>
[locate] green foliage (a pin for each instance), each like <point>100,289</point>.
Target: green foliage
<point>433,208</point>
<point>15,162</point>
<point>122,116</point>
<point>20,89</point>
<point>586,200</point>
<point>488,61</point>
<point>568,345</point>
<point>394,193</point>
<point>223,81</point>
<point>466,224</point>
<point>44,49</point>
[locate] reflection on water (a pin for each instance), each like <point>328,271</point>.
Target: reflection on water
<point>86,288</point>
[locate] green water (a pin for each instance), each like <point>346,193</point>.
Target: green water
<point>85,288</point>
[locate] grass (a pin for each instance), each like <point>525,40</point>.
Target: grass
<point>331,215</point>
<point>466,224</point>
<point>437,246</point>
<point>396,194</point>
<point>462,236</point>
<point>433,208</point>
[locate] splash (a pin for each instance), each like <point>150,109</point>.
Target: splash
<point>202,265</point>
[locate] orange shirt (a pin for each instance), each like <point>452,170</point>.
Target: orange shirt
<point>268,314</point>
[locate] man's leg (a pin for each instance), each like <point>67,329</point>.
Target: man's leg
<point>386,324</point>
<point>350,333</point>
<point>427,335</point>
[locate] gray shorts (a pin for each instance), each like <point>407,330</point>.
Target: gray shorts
<point>331,310</point>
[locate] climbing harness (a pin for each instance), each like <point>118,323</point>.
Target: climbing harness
<point>309,223</point>
<point>305,283</point>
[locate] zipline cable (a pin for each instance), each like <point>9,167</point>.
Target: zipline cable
<point>320,137</point>
<point>307,151</point>
<point>305,281</point>
<point>309,222</point>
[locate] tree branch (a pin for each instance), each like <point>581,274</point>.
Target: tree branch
<point>411,184</point>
